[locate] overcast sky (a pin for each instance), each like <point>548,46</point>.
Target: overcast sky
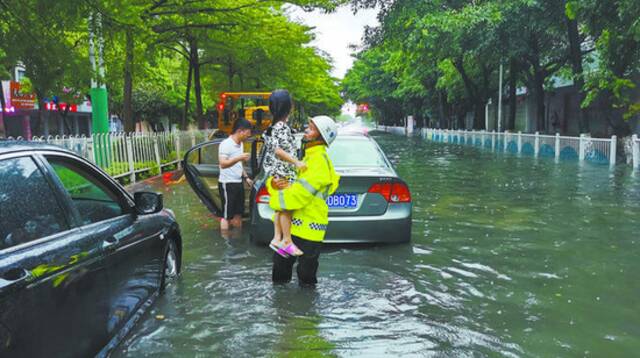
<point>336,31</point>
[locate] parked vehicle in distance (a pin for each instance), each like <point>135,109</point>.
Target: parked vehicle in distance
<point>372,204</point>
<point>80,258</point>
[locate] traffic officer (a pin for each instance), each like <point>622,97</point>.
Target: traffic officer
<point>306,197</point>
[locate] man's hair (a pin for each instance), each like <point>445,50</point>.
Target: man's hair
<point>241,123</point>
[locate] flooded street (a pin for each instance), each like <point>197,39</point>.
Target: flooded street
<point>509,257</point>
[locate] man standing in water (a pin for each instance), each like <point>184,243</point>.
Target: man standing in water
<point>306,198</point>
<point>232,175</point>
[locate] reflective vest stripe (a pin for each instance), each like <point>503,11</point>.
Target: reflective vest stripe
<point>326,158</point>
<point>305,184</point>
<point>281,198</point>
<point>313,191</point>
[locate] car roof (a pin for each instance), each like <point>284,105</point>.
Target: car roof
<point>12,146</point>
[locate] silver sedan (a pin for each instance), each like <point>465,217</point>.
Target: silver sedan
<point>372,203</point>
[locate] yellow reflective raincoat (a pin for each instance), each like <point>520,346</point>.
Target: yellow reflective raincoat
<point>307,196</point>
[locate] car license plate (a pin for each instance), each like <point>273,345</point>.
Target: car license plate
<point>346,201</point>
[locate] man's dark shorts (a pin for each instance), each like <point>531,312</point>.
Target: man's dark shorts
<point>232,197</point>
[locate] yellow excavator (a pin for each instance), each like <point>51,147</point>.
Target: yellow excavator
<point>253,106</point>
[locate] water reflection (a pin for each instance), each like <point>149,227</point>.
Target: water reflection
<point>509,257</point>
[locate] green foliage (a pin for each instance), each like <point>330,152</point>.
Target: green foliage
<point>441,58</point>
<point>49,38</point>
<point>117,168</point>
<point>616,30</point>
<point>5,65</point>
<point>237,44</point>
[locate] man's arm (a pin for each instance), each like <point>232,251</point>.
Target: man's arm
<point>226,162</point>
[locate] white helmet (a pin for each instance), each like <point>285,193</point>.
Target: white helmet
<point>327,128</point>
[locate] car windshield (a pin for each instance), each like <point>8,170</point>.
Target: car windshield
<point>356,152</point>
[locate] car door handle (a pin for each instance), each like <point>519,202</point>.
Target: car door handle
<point>14,277</point>
<point>109,243</point>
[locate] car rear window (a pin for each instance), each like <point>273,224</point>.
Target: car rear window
<point>356,152</point>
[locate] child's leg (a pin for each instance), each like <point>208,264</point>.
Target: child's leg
<point>277,231</point>
<point>285,223</point>
<point>285,226</point>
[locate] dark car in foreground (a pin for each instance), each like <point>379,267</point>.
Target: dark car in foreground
<point>372,204</point>
<point>80,258</point>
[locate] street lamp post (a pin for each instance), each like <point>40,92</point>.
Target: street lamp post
<point>500,101</point>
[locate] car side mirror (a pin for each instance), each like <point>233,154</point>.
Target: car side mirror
<point>147,202</point>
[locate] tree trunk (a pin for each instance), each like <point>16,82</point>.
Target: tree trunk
<point>198,91</point>
<point>472,92</point>
<point>64,115</point>
<point>3,108</point>
<point>230,74</point>
<point>575,57</point>
<point>187,100</point>
<point>537,87</point>
<point>443,113</point>
<point>42,115</point>
<point>195,63</point>
<point>513,83</point>
<point>478,116</point>
<point>127,101</point>
<point>538,94</point>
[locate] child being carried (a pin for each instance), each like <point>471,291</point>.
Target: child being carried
<point>280,161</point>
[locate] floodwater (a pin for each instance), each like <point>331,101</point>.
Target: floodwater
<point>515,257</point>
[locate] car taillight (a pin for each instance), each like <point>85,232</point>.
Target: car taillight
<point>400,193</point>
<point>392,192</point>
<point>383,189</point>
<point>263,196</point>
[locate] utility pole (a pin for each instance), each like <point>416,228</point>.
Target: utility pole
<point>486,115</point>
<point>500,100</point>
<point>99,96</point>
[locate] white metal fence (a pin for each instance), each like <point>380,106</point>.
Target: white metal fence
<point>127,154</point>
<point>597,150</point>
<point>583,148</point>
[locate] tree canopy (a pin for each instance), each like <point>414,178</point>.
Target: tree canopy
<point>439,59</point>
<point>169,57</point>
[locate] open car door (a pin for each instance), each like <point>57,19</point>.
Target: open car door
<point>202,169</point>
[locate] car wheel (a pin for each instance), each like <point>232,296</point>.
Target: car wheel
<point>170,268</point>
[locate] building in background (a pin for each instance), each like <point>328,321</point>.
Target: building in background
<point>22,118</point>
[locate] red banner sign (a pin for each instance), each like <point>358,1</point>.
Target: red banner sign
<point>61,106</point>
<point>21,100</point>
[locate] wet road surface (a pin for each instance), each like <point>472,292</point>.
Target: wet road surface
<point>510,256</point>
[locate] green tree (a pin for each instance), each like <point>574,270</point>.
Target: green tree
<point>615,30</point>
<point>48,39</point>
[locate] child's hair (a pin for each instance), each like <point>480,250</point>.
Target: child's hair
<point>280,105</point>
<point>240,124</point>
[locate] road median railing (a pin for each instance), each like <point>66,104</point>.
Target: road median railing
<point>583,148</point>
<point>596,150</point>
<point>131,156</point>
